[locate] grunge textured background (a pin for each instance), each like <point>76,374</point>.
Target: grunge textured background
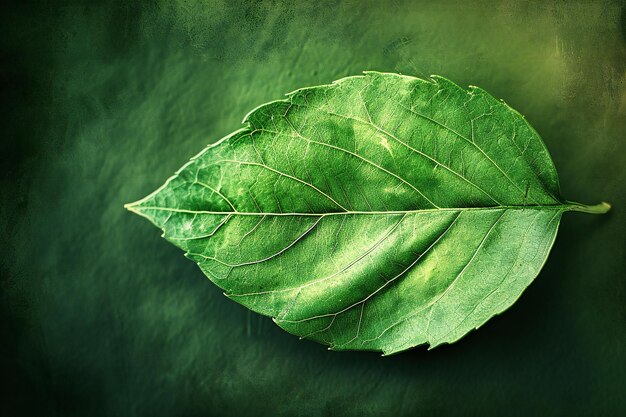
<point>101,103</point>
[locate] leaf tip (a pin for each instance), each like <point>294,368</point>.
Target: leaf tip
<point>139,208</point>
<point>133,207</point>
<point>136,208</point>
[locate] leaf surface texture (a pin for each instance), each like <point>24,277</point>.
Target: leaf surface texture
<point>379,212</point>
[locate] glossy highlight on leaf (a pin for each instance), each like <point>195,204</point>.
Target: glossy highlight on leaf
<point>379,212</point>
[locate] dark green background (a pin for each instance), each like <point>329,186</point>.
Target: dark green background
<point>102,102</point>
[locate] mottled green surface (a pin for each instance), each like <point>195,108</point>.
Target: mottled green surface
<point>379,212</point>
<point>101,317</point>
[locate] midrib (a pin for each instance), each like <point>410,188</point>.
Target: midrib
<point>555,207</point>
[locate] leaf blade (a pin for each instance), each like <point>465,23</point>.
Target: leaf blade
<point>332,211</point>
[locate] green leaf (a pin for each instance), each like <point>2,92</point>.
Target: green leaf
<point>380,212</point>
